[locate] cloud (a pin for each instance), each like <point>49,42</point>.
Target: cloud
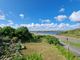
<point>21,15</point>
<point>63,25</point>
<point>50,26</point>
<point>75,16</point>
<point>10,22</point>
<point>36,27</point>
<point>45,20</point>
<point>53,26</point>
<point>45,27</point>
<point>75,26</point>
<point>2,15</point>
<point>62,10</point>
<point>2,25</point>
<point>60,17</point>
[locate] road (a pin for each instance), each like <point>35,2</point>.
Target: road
<point>73,49</point>
<point>70,38</point>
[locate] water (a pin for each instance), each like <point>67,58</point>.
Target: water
<point>46,32</point>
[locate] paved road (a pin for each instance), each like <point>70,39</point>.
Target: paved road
<point>73,49</point>
<point>70,38</point>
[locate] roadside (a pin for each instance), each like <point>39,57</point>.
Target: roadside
<point>49,52</point>
<point>67,45</point>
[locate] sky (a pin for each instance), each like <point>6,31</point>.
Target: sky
<point>40,15</point>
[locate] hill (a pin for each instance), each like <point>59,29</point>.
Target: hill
<point>72,33</point>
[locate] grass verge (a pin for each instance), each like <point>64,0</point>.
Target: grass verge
<point>69,55</point>
<point>72,43</point>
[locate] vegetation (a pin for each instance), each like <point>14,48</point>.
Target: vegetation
<point>69,55</point>
<point>33,56</point>
<point>72,33</point>
<point>49,39</point>
<point>36,38</point>
<point>75,44</point>
<point>7,31</point>
<point>52,40</point>
<point>23,34</point>
<point>47,51</point>
<point>20,33</point>
<point>11,41</point>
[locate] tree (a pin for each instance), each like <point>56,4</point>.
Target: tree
<point>23,34</point>
<point>7,31</point>
<point>0,31</point>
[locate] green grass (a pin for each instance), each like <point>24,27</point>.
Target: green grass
<point>33,56</point>
<point>71,35</point>
<point>75,44</point>
<point>69,55</point>
<point>72,43</point>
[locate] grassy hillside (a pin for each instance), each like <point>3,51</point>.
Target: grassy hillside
<point>72,33</point>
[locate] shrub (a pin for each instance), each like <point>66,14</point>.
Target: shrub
<point>15,39</point>
<point>20,33</point>
<point>36,38</point>
<point>23,34</point>
<point>6,39</point>
<point>18,57</point>
<point>52,40</point>
<point>7,31</point>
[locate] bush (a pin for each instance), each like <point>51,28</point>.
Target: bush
<point>9,41</point>
<point>36,38</point>
<point>20,33</point>
<point>6,39</point>
<point>15,39</point>
<point>7,31</point>
<point>23,34</point>
<point>18,57</point>
<point>52,40</point>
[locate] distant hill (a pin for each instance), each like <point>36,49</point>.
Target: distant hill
<point>72,33</point>
<point>46,32</point>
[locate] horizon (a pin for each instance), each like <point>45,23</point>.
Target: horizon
<point>40,15</point>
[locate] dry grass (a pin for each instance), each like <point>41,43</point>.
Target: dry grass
<point>48,52</point>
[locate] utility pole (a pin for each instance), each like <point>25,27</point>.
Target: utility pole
<point>68,47</point>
